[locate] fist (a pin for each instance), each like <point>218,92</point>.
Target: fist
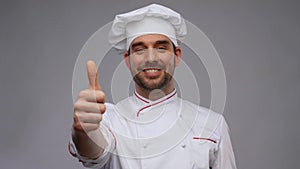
<point>89,107</point>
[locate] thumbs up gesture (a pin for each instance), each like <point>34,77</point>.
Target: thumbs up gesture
<point>89,107</point>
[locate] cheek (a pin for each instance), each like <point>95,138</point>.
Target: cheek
<point>134,63</point>
<point>169,61</point>
<point>137,61</point>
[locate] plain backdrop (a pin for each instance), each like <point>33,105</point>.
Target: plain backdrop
<point>258,43</point>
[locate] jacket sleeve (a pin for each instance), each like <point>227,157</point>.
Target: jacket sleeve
<point>224,155</point>
<point>105,160</point>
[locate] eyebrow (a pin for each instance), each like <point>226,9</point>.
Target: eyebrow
<point>137,44</point>
<point>162,42</point>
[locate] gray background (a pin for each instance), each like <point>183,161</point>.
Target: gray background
<point>258,42</point>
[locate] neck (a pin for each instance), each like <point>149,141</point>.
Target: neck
<point>154,94</point>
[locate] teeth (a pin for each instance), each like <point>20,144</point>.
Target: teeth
<point>151,70</point>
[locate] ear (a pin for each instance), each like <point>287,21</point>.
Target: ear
<point>126,59</point>
<point>177,55</point>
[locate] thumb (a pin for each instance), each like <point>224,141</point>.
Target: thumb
<point>92,75</point>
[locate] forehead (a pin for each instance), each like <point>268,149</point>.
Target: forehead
<point>151,39</point>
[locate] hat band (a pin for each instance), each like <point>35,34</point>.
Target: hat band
<point>149,25</point>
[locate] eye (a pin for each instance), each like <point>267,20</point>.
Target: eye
<point>139,51</point>
<point>161,49</point>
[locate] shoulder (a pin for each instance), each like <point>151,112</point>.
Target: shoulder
<point>113,107</point>
<point>201,111</point>
<point>206,119</point>
<point>123,107</point>
<point>109,106</point>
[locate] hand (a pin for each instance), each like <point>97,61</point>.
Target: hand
<point>89,107</point>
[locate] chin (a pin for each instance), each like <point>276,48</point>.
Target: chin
<point>152,84</point>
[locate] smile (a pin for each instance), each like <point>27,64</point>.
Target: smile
<point>151,70</point>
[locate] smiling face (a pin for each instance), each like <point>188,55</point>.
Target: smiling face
<point>152,61</point>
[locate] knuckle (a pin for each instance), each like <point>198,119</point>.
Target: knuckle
<point>101,96</point>
<point>81,94</point>
<point>99,118</point>
<point>75,117</point>
<point>79,105</point>
<point>78,126</point>
<point>76,105</point>
<point>97,126</point>
<point>102,108</point>
<point>86,94</point>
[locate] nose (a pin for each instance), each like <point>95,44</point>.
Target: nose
<point>151,55</point>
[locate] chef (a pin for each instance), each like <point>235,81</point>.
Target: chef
<point>153,128</point>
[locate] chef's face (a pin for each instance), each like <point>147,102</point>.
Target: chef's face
<point>152,60</point>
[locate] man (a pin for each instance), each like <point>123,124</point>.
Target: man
<point>154,128</point>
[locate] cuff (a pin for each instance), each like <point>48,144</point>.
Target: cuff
<point>101,160</point>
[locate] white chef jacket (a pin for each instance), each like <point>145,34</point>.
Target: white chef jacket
<point>168,133</point>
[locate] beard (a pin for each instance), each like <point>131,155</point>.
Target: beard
<point>148,83</point>
<point>151,84</point>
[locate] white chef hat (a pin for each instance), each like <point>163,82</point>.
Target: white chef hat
<point>152,19</point>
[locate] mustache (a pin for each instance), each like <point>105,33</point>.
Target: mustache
<point>154,64</point>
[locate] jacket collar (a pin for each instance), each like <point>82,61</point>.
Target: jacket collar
<point>146,103</point>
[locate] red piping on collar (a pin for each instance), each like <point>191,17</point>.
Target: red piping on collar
<point>152,104</point>
<point>140,98</point>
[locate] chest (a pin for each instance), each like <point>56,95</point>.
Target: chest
<point>187,153</point>
<point>162,140</point>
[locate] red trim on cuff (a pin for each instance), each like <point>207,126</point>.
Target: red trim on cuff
<point>69,148</point>
<point>115,139</point>
<point>84,162</point>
